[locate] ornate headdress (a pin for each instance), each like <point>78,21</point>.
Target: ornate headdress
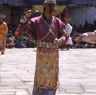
<point>50,1</point>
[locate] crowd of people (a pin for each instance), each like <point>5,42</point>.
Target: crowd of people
<point>87,28</point>
<point>24,40</point>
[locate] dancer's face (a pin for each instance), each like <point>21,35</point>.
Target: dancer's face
<point>49,8</point>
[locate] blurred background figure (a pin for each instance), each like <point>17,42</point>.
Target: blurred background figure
<point>10,41</point>
<point>3,33</point>
<point>68,29</point>
<point>69,43</point>
<point>26,16</point>
<point>22,36</point>
<point>88,39</point>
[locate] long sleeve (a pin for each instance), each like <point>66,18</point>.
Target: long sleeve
<point>62,32</point>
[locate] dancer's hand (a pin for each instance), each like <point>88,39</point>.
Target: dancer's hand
<point>62,40</point>
<point>56,41</point>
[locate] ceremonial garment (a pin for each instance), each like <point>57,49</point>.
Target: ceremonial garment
<point>47,56</point>
<point>47,68</point>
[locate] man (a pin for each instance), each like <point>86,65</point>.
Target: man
<point>3,33</point>
<point>48,31</point>
<point>68,29</point>
<point>21,29</point>
<point>23,20</point>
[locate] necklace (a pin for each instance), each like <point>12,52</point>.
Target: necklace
<point>50,30</point>
<point>49,25</point>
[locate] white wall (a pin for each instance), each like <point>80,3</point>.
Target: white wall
<point>78,15</point>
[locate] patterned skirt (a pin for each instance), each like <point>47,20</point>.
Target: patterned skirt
<point>46,74</point>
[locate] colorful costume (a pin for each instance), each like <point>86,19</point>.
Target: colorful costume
<point>46,74</point>
<point>3,33</point>
<point>47,56</point>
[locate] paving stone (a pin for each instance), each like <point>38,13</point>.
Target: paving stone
<point>21,92</point>
<point>7,91</point>
<point>77,72</point>
<point>89,94</point>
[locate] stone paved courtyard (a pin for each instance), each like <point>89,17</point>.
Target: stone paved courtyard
<point>77,72</point>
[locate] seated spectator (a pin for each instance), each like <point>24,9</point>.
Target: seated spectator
<point>10,41</point>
